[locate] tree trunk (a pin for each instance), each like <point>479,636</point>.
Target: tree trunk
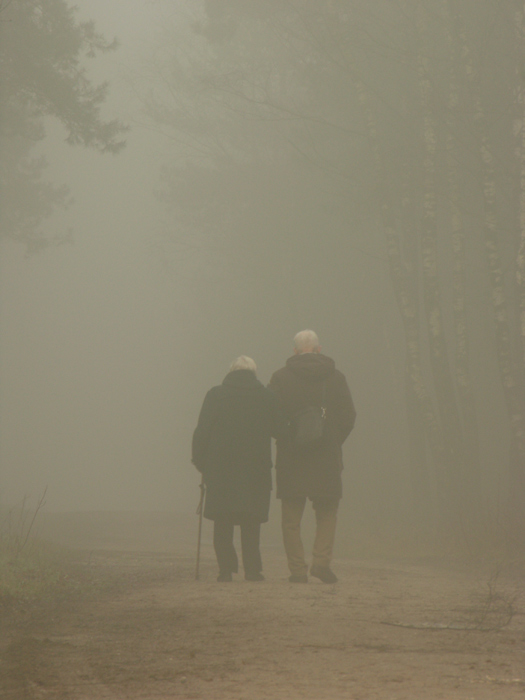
<point>512,388</point>
<point>462,364</point>
<point>443,384</point>
<point>419,405</point>
<point>519,129</point>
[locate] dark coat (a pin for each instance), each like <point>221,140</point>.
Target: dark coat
<point>315,473</point>
<point>232,446</point>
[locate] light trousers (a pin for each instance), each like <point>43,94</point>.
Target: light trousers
<point>326,520</point>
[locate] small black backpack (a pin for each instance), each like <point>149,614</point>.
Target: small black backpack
<point>308,426</point>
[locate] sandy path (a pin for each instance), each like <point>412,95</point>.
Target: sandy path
<point>151,631</point>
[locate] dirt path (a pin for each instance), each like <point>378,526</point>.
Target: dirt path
<point>148,630</point>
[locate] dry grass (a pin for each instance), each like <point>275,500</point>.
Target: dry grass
<point>30,569</point>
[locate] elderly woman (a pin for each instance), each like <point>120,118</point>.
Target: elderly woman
<point>232,449</point>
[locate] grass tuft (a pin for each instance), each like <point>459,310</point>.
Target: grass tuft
<point>31,569</point>
<point>30,573</point>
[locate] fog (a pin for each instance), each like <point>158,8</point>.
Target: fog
<point>110,339</point>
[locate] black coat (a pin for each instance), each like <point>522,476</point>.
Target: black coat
<point>232,446</point>
<point>315,473</point>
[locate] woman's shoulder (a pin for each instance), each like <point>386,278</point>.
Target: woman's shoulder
<point>214,392</point>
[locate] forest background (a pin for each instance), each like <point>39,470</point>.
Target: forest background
<point>354,167</point>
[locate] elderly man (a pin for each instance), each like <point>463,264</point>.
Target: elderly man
<point>232,449</point>
<point>311,469</point>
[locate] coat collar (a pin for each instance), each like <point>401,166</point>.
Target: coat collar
<point>311,366</point>
<point>241,379</point>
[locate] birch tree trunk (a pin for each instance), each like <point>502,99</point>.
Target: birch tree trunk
<point>511,385</point>
<point>425,501</point>
<point>519,129</point>
<point>453,452</point>
<point>457,41</point>
<point>517,494</point>
<point>419,404</point>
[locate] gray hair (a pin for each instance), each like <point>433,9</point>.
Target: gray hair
<point>306,341</point>
<point>243,362</point>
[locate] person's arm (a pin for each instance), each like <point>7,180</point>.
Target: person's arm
<point>280,426</point>
<point>201,435</point>
<point>345,411</point>
<point>281,422</point>
<point>273,385</point>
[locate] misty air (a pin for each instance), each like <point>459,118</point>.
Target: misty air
<point>262,349</point>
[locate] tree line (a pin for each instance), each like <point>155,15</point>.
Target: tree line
<point>298,130</point>
<point>292,120</point>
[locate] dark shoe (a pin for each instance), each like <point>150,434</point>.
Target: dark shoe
<point>298,578</point>
<point>224,577</point>
<point>254,577</point>
<point>324,573</point>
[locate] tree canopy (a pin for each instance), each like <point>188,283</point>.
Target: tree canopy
<point>43,51</point>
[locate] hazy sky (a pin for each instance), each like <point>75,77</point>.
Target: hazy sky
<point>90,331</point>
<point>110,343</point>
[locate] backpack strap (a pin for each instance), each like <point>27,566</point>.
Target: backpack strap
<point>323,400</point>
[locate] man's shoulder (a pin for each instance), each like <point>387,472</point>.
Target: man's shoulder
<point>340,376</point>
<point>264,391</point>
<point>215,391</point>
<point>339,379</point>
<point>280,371</point>
<point>278,375</point>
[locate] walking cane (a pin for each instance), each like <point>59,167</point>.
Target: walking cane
<point>200,508</point>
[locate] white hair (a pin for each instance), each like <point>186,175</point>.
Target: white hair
<point>243,362</point>
<point>306,341</point>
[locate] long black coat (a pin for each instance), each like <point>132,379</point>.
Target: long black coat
<point>315,473</point>
<point>232,446</point>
